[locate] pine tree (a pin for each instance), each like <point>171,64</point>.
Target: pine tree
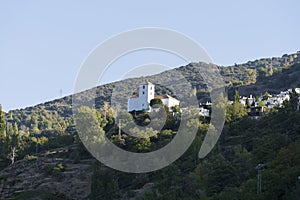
<point>248,102</point>
<point>294,100</point>
<point>236,97</point>
<point>3,134</point>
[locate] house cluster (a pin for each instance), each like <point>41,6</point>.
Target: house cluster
<point>270,101</point>
<point>147,92</point>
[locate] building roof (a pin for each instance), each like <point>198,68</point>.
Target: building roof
<point>149,83</point>
<point>164,96</point>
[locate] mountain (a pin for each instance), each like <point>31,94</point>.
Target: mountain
<point>254,77</point>
<point>53,160</point>
<point>279,81</point>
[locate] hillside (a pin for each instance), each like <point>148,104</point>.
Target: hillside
<point>51,175</point>
<point>279,81</point>
<point>52,163</point>
<point>254,77</point>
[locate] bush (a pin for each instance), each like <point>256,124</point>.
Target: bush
<point>30,157</point>
<point>51,169</point>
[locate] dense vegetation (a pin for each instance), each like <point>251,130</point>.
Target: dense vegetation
<point>227,173</point>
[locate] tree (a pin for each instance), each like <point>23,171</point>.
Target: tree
<point>104,183</point>
<point>262,104</point>
<point>236,110</point>
<point>156,102</point>
<point>266,96</point>
<point>261,73</point>
<point>142,143</point>
<point>194,93</point>
<point>2,125</point>
<point>252,74</point>
<point>3,136</point>
<point>248,102</point>
<point>105,109</point>
<point>170,121</point>
<point>294,100</point>
<point>236,97</point>
<point>35,125</point>
<point>270,72</point>
<point>109,116</point>
<point>89,125</point>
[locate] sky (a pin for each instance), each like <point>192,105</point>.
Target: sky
<point>44,43</point>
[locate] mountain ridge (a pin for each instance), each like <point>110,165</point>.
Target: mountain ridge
<point>243,77</point>
<point>276,62</point>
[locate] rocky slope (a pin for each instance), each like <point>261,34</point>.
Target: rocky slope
<point>50,174</point>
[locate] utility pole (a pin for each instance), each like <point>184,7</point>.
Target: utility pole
<point>298,191</point>
<point>259,167</point>
<point>120,129</point>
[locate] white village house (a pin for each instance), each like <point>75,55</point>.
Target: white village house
<point>272,100</point>
<point>146,94</point>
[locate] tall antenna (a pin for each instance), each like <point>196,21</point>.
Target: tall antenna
<point>61,93</point>
<point>259,167</point>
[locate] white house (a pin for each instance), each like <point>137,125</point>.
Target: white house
<point>146,94</point>
<point>168,100</point>
<point>203,112</point>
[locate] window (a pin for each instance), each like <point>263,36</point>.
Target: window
<point>151,88</point>
<point>143,105</point>
<point>150,93</point>
<point>143,87</point>
<point>143,92</point>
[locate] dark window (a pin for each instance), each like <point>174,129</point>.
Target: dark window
<point>143,92</point>
<point>143,105</point>
<point>143,87</point>
<point>151,88</point>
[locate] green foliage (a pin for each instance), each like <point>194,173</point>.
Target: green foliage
<point>54,170</point>
<point>156,103</point>
<point>104,184</point>
<point>293,103</point>
<point>261,104</point>
<point>2,125</point>
<point>227,173</point>
<point>3,138</point>
<point>89,122</point>
<point>235,112</point>
<point>30,157</point>
<point>236,97</point>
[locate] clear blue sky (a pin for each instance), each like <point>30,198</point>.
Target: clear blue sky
<point>43,43</point>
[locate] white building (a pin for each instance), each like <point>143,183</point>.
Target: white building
<point>203,112</point>
<point>146,94</point>
<point>168,100</point>
<point>142,102</point>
